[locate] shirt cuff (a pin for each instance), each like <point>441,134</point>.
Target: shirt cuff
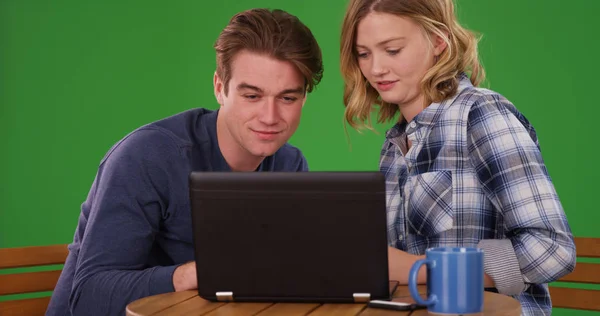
<point>162,280</point>
<point>500,263</point>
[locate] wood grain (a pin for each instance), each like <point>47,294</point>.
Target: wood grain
<point>32,256</point>
<point>587,247</point>
<point>154,304</point>
<point>28,282</point>
<point>291,309</point>
<point>240,309</point>
<point>575,298</point>
<point>338,309</point>
<point>26,307</point>
<point>584,273</point>
<point>194,306</point>
<point>494,304</point>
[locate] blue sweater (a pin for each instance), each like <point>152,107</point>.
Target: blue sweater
<point>135,225</point>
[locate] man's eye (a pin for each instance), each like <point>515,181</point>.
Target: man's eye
<point>289,99</point>
<point>251,96</point>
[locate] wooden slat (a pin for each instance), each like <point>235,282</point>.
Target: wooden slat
<point>338,309</point>
<point>289,309</point>
<point>587,247</point>
<point>493,305</point>
<point>387,312</point>
<point>239,309</point>
<point>584,273</point>
<point>28,282</point>
<point>194,306</point>
<point>152,304</point>
<point>33,256</point>
<point>575,298</point>
<point>26,307</point>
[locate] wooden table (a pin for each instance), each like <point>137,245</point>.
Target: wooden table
<point>189,303</point>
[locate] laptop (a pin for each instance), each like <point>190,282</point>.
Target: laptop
<point>290,236</point>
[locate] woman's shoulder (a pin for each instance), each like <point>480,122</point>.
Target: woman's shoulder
<point>483,102</point>
<point>488,108</point>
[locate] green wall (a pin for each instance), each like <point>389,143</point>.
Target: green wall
<point>76,76</point>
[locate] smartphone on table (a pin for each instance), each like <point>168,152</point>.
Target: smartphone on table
<point>395,305</point>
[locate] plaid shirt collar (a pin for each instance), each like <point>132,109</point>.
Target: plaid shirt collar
<point>430,114</point>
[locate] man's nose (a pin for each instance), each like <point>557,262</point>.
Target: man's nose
<point>270,112</point>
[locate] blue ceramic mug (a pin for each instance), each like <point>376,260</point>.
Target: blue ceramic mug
<point>454,280</point>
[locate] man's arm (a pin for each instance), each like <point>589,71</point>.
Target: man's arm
<point>127,206</point>
<point>539,246</point>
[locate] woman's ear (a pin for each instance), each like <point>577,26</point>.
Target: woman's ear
<point>440,42</point>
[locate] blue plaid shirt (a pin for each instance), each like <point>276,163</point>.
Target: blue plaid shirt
<point>474,177</point>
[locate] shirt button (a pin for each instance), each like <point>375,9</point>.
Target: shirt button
<point>413,124</point>
<point>400,237</point>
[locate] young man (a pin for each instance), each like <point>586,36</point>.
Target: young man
<point>134,237</point>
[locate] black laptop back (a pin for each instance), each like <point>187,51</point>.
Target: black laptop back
<point>304,237</point>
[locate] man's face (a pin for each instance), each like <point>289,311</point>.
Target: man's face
<point>262,108</point>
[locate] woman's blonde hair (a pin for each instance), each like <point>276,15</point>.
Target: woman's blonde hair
<point>440,82</point>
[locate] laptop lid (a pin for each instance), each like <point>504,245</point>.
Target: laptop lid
<point>290,236</point>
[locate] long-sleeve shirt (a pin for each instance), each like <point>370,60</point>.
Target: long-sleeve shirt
<point>474,177</point>
<point>135,228</point>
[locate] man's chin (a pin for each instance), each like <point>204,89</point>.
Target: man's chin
<point>265,152</point>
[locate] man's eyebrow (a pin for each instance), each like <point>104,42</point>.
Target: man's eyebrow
<point>244,85</point>
<point>385,41</point>
<point>299,90</point>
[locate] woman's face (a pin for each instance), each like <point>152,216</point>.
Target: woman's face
<point>394,54</point>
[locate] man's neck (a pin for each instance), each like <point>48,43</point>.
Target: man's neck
<point>238,158</point>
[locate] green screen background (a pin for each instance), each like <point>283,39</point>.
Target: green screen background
<point>76,76</point>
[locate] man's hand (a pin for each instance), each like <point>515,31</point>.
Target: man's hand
<point>184,277</point>
<point>400,262</point>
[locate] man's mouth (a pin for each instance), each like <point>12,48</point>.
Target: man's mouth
<point>266,135</point>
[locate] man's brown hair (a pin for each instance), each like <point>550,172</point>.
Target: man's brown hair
<point>274,33</point>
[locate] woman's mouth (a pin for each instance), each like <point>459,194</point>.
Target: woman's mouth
<point>386,85</point>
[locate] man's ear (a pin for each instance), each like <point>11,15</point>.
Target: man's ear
<point>219,89</point>
<point>305,96</point>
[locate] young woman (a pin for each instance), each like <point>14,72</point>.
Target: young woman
<point>462,164</point>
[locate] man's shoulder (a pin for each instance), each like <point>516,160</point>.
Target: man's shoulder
<point>182,118</point>
<point>160,139</point>
<point>145,142</point>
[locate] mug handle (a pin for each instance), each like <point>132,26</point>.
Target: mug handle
<point>412,283</point>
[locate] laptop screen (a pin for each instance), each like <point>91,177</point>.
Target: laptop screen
<point>287,236</point>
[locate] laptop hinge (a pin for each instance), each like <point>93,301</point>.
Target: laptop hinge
<point>224,296</point>
<point>361,297</point>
